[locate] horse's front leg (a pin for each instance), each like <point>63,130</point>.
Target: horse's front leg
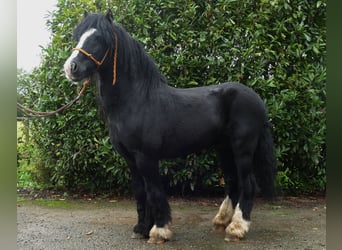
<point>156,202</point>
<point>145,222</point>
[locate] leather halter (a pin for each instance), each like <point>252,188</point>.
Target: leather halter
<point>99,63</point>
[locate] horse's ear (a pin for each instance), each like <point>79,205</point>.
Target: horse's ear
<point>109,15</point>
<point>85,14</point>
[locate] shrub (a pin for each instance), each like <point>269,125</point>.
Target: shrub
<point>277,47</point>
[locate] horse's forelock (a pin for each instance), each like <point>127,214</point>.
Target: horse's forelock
<point>101,23</point>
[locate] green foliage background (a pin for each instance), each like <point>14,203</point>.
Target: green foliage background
<point>277,47</point>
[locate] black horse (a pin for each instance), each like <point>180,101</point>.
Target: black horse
<point>149,120</point>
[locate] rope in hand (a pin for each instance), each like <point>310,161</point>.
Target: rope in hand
<point>31,113</point>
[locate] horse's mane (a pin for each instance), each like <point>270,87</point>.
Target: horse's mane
<point>132,57</point>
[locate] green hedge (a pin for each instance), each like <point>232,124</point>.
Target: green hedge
<point>277,47</point>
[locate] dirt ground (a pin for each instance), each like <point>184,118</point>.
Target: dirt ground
<point>289,223</point>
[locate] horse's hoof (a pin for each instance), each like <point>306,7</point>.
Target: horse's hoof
<point>231,238</point>
<point>137,236</point>
<point>156,240</point>
<point>159,235</point>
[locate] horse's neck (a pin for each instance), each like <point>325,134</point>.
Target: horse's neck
<point>127,96</point>
<point>137,79</point>
<point>118,96</point>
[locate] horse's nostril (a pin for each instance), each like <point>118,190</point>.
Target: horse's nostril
<point>73,67</point>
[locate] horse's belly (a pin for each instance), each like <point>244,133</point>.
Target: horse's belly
<point>187,143</point>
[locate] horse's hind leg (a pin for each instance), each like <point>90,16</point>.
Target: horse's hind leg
<point>156,200</point>
<point>243,151</point>
<point>226,210</point>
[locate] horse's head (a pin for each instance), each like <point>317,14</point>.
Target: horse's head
<point>94,35</point>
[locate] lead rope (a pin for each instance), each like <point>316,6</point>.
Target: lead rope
<point>32,113</point>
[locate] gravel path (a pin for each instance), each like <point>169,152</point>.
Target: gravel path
<point>290,223</point>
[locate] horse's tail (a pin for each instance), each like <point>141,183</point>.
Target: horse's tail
<point>265,163</point>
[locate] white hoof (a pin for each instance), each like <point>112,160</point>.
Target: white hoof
<point>159,235</point>
<point>238,227</point>
<point>224,215</point>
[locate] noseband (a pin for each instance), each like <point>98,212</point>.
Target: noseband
<point>99,63</point>
<point>90,56</point>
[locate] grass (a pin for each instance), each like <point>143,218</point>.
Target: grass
<point>54,203</point>
<point>25,169</point>
<point>61,203</point>
<point>50,203</point>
